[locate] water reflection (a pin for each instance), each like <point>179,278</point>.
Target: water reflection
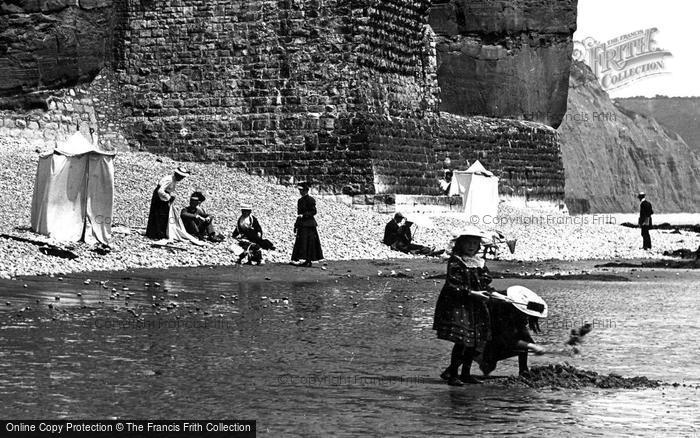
<point>352,357</point>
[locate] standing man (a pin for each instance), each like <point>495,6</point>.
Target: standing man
<point>645,212</point>
<point>446,182</point>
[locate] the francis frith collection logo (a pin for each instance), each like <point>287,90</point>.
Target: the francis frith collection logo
<point>620,61</point>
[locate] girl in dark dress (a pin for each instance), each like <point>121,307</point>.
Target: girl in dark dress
<point>307,245</point>
<point>462,317</point>
<point>510,335</point>
<point>163,197</point>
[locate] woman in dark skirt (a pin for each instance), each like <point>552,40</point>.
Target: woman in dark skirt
<point>307,245</point>
<point>163,197</point>
<point>460,316</point>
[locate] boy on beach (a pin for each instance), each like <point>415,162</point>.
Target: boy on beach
<point>197,221</point>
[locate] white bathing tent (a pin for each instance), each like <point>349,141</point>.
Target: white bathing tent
<point>74,192</point>
<point>479,190</point>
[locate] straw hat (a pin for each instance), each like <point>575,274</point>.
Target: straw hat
<point>527,301</point>
<point>246,206</point>
<point>469,230</point>
<point>182,171</point>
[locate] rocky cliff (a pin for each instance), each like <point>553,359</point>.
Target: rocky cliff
<point>345,93</point>
<point>45,44</point>
<point>504,58</point>
<point>680,114</point>
<point>611,153</point>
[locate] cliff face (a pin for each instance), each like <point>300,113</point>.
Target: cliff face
<point>345,93</point>
<point>610,154</point>
<point>48,44</point>
<point>505,58</point>
<point>680,114</point>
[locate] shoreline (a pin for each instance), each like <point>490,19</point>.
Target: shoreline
<point>346,233</point>
<point>390,269</point>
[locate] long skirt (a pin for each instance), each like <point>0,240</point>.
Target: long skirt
<point>508,327</point>
<point>461,319</point>
<point>252,236</point>
<point>157,227</point>
<point>307,245</point>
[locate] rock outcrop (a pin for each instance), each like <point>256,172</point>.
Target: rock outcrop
<point>45,44</point>
<point>610,154</point>
<point>680,114</point>
<point>505,58</point>
<point>344,93</point>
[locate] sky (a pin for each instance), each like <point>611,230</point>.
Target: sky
<point>678,29</point>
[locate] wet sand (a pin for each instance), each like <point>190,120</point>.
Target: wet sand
<point>433,268</point>
<point>345,350</point>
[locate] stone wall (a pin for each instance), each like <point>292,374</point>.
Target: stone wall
<point>272,86</point>
<point>93,109</point>
<point>408,155</point>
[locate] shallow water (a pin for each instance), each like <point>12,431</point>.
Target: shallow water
<point>362,361</point>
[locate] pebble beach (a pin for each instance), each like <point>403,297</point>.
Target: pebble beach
<point>346,233</point>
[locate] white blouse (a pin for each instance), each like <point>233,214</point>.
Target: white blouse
<point>167,186</point>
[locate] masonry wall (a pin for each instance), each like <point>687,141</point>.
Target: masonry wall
<point>524,155</point>
<point>50,117</point>
<point>272,86</point>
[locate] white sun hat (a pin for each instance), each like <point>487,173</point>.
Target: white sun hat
<point>469,230</point>
<point>527,301</point>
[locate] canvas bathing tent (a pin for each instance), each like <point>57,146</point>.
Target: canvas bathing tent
<point>74,192</point>
<point>479,190</point>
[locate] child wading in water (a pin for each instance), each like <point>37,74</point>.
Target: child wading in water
<point>511,323</point>
<point>460,316</point>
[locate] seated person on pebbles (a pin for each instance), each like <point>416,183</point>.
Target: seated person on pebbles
<point>397,236</point>
<point>197,222</point>
<point>249,236</point>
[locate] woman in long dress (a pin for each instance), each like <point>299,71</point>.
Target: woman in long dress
<point>307,245</point>
<point>163,197</point>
